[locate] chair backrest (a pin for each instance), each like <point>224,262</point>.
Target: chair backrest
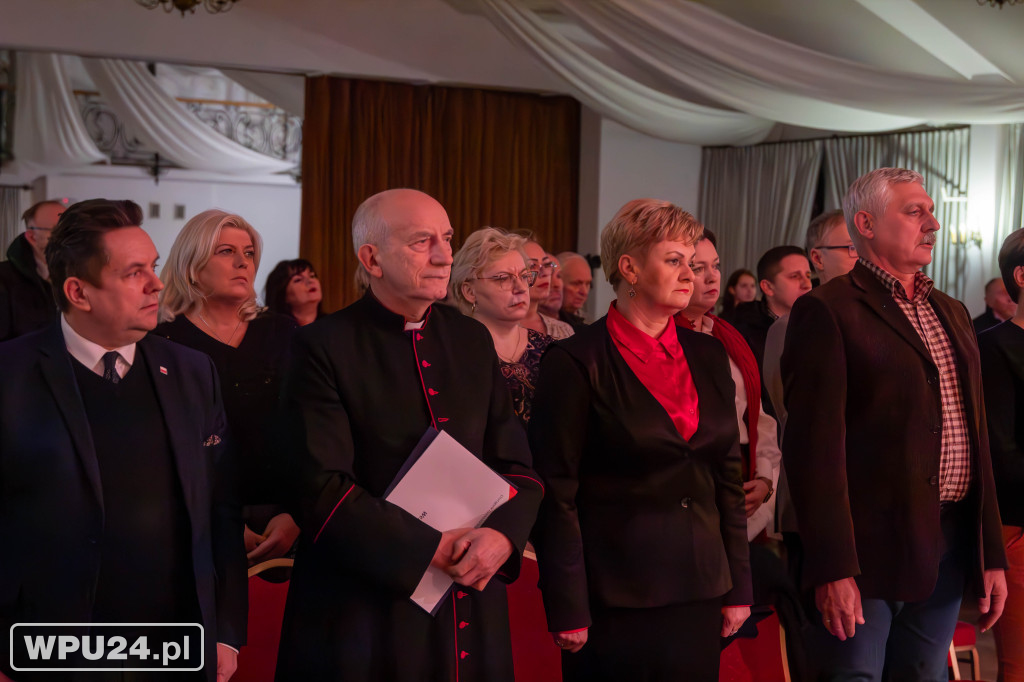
<point>258,658</point>
<point>761,659</point>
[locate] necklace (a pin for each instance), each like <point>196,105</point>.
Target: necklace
<point>214,332</point>
<point>515,351</point>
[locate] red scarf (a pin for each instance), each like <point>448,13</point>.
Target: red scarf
<point>739,352</point>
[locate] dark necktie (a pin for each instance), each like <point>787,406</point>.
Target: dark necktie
<point>110,367</point>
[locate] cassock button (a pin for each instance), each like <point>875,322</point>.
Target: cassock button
<point>425,363</point>
<point>460,594</point>
<point>463,654</point>
<point>442,419</point>
<point>431,391</point>
<point>462,625</point>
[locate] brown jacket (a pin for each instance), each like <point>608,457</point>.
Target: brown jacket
<point>863,439</point>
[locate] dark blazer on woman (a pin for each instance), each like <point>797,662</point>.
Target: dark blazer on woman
<point>634,515</point>
<point>1002,367</point>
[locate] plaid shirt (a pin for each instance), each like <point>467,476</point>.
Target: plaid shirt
<point>955,457</point>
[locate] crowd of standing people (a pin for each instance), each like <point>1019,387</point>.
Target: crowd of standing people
<point>837,451</point>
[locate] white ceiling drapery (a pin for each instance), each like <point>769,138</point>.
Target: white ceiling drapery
<point>167,127</point>
<point>691,46</point>
<point>48,128</point>
<point>618,96</point>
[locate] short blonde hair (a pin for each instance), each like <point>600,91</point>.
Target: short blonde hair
<point>190,253</point>
<point>638,226</point>
<point>481,248</point>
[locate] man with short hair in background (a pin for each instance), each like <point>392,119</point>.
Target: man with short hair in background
<point>999,307</point>
<point>577,278</point>
<point>784,275</point>
<point>886,449</point>
<point>26,302</point>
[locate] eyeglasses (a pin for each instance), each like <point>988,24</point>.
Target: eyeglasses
<point>546,265</point>
<point>851,248</point>
<point>504,279</point>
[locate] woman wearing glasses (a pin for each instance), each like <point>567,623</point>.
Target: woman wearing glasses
<point>491,282</point>
<point>544,266</point>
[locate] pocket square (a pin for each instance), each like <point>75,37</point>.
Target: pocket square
<point>211,441</point>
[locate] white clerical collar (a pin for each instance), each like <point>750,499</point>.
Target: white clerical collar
<point>410,326</point>
<point>91,354</point>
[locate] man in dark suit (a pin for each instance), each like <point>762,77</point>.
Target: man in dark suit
<point>999,306</point>
<point>367,383</point>
<point>26,303</point>
<point>886,449</point>
<point>115,501</point>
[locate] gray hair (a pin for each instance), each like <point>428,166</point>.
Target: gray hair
<point>870,192</point>
<point>820,227</point>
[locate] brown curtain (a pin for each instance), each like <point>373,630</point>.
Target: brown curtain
<point>503,159</point>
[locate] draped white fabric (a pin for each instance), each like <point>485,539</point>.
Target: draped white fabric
<point>280,89</point>
<point>754,198</point>
<point>10,217</point>
<point>48,127</point>
<point>692,46</point>
<point>616,95</point>
<point>941,156</point>
<point>167,127</point>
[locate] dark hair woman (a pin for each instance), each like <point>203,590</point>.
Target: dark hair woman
<point>293,289</point>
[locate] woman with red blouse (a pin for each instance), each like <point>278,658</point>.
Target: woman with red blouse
<point>641,539</point>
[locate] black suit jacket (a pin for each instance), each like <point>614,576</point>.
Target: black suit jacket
<point>863,439</point>
<point>1002,363</point>
<point>51,504</point>
<point>634,515</point>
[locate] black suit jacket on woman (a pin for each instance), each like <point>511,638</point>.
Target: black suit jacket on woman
<point>864,436</point>
<point>634,515</point>
<point>51,500</point>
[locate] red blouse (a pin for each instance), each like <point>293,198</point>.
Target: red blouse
<point>660,365</point>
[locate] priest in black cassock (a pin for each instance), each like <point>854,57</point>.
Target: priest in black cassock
<point>366,384</point>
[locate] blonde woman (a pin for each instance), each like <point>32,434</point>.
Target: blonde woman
<point>491,282</point>
<point>641,538</point>
<point>208,303</point>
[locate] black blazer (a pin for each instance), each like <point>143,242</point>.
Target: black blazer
<point>863,439</point>
<point>51,505</point>
<point>1002,364</point>
<point>634,515</point>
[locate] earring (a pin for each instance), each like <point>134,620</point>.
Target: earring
<point>473,309</point>
<point>632,291</point>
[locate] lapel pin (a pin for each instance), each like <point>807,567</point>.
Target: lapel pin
<point>163,370</point>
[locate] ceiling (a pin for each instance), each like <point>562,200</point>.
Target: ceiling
<point>449,41</point>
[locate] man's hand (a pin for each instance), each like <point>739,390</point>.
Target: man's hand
<point>479,554</point>
<point>991,605</point>
<point>840,607</point>
<point>444,554</point>
<point>276,540</point>
<point>754,493</point>
<point>252,540</point>
<point>733,618</point>
<point>571,641</point>
<point>227,662</point>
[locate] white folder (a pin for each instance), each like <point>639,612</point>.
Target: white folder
<point>446,486</point>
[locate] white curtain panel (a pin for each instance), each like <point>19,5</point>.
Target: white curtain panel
<point>692,46</point>
<point>754,198</point>
<point>617,96</point>
<point>280,89</point>
<point>48,128</point>
<point>166,126</point>
<point>1010,199</point>
<point>10,217</point>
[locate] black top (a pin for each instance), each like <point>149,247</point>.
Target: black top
<point>251,377</point>
<point>521,376</point>
<point>574,320</point>
<point>752,319</point>
<point>634,515</point>
<point>26,301</point>
<point>986,320</point>
<point>1002,367</point>
<point>146,567</point>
